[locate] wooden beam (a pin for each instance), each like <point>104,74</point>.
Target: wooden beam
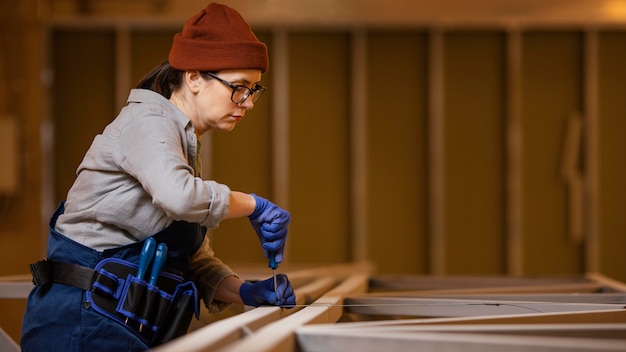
<point>6,343</point>
<point>452,339</point>
<point>514,154</point>
<point>605,298</point>
<point>280,335</point>
<point>321,281</point>
<point>449,307</point>
<point>612,316</point>
<point>226,331</point>
<point>18,286</point>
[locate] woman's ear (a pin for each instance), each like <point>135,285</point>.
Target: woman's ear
<point>193,79</point>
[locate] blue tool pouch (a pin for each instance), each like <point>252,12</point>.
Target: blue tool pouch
<point>156,313</point>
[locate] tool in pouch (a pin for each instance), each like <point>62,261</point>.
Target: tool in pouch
<point>157,310</point>
<point>147,252</point>
<point>159,260</point>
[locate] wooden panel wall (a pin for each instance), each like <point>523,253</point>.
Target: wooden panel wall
<point>611,167</point>
<point>22,55</point>
<point>439,152</point>
<point>405,196</point>
<point>474,152</point>
<point>319,88</point>
<point>552,89</point>
<point>397,109</point>
<point>82,96</point>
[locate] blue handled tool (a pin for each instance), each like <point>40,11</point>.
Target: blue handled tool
<point>273,265</point>
<point>159,260</point>
<point>147,252</point>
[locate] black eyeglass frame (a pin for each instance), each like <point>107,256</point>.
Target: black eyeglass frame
<point>258,89</point>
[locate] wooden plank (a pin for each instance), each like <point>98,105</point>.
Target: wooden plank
<point>523,321</point>
<point>514,152</point>
<point>608,298</point>
<point>6,343</point>
<point>429,307</point>
<point>592,151</point>
<point>229,330</point>
<point>612,331</point>
<point>280,336</point>
<point>333,13</point>
<point>573,176</point>
<point>225,331</point>
<point>613,316</point>
<point>18,286</point>
<point>316,338</point>
<point>608,282</point>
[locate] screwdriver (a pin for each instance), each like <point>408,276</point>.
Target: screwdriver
<point>147,252</point>
<point>273,265</point>
<point>159,260</point>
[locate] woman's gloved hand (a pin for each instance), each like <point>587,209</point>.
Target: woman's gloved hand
<point>262,292</point>
<point>270,223</point>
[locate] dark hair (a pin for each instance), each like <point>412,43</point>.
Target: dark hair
<point>163,79</point>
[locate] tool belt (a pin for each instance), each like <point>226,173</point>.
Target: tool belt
<point>156,313</point>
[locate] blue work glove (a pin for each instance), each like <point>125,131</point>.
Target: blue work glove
<point>270,223</point>
<point>262,292</point>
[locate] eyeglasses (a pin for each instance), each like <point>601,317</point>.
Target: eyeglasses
<point>240,93</point>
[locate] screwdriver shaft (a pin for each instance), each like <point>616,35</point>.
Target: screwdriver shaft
<point>274,276</point>
<point>273,265</point>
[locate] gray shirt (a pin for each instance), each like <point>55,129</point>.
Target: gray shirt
<point>138,177</point>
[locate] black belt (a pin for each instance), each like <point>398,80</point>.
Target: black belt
<point>113,291</point>
<point>48,271</point>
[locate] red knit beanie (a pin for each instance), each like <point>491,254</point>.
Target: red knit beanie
<point>215,39</point>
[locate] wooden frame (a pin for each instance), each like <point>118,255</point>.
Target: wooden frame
<point>405,313</point>
<point>344,307</point>
<point>6,343</point>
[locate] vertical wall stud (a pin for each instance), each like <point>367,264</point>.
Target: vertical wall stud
<point>514,240</point>
<point>592,154</point>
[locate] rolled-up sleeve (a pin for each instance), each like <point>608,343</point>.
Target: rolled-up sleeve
<point>152,149</point>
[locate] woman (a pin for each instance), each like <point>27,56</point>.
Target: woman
<point>102,286</point>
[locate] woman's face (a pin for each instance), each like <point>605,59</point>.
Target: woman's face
<point>213,108</point>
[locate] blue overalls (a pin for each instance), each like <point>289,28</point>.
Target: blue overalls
<point>60,318</point>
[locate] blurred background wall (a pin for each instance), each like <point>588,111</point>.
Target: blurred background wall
<point>427,137</point>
